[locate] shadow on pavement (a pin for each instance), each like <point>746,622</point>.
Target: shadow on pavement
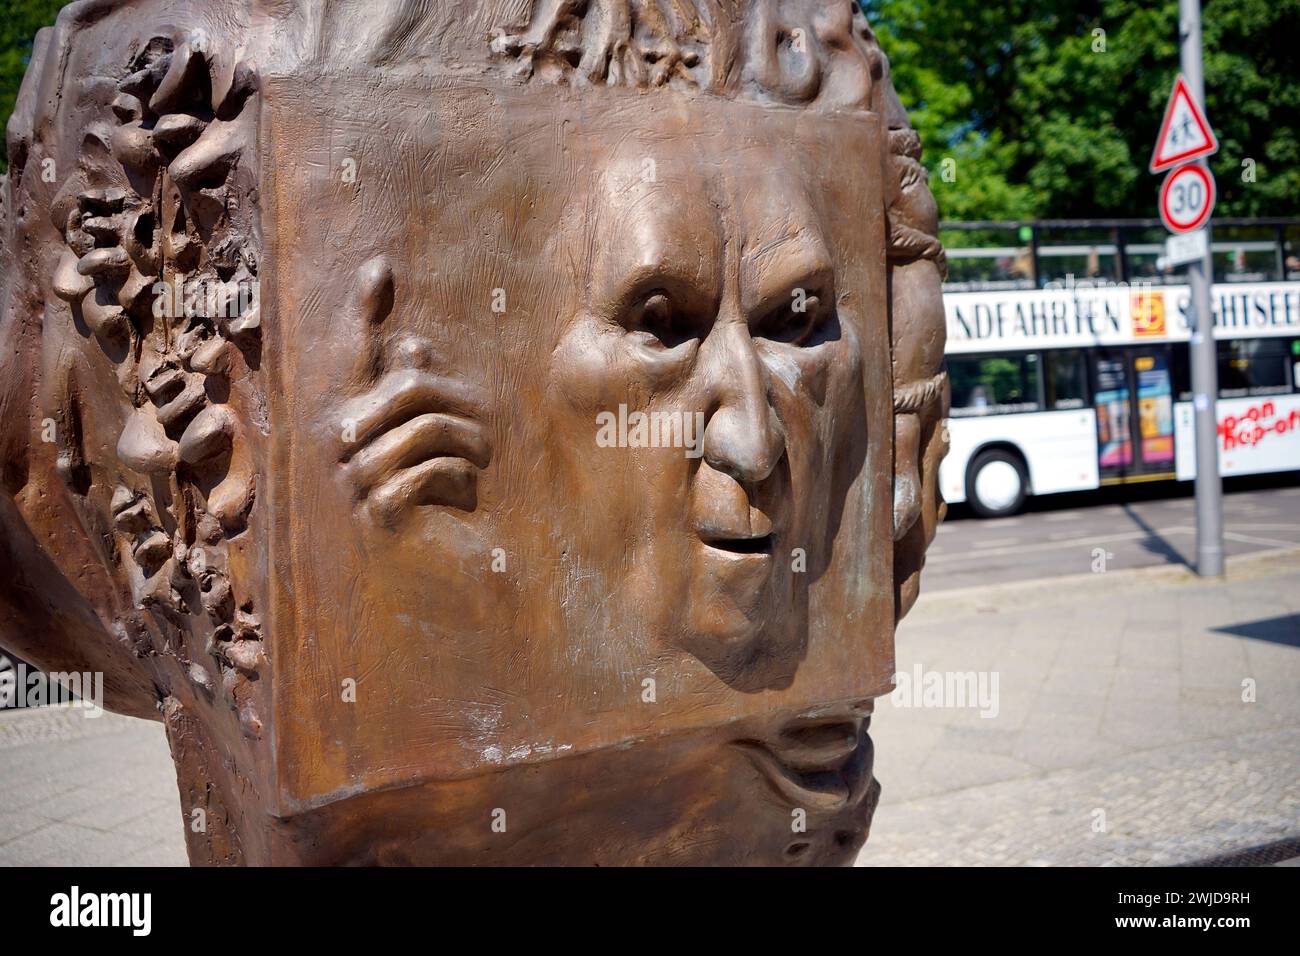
<point>1276,630</point>
<point>1154,542</point>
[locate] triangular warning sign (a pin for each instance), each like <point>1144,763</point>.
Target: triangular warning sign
<point>1185,134</point>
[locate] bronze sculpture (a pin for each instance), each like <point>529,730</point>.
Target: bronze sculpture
<point>476,430</point>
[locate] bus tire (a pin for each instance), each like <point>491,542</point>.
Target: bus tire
<point>997,483</point>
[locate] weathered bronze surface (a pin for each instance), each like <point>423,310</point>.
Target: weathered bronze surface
<point>482,432</point>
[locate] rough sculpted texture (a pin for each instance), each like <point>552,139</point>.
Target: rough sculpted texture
<point>482,432</point>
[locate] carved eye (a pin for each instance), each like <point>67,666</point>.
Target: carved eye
<point>796,323</point>
<point>660,322</point>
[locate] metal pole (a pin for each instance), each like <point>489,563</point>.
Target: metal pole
<point>1204,358</point>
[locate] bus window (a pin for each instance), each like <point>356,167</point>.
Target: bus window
<point>1254,367</point>
<point>990,385</point>
<point>1182,371</point>
<point>1065,377</point>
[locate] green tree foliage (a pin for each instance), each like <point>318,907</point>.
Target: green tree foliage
<point>1041,115</point>
<point>1050,108</point>
<point>19,21</point>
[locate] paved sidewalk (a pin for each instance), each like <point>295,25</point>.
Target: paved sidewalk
<point>85,791</point>
<point>1118,693</point>
<point>1121,735</point>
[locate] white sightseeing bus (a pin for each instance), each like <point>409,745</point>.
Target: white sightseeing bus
<point>1068,389</point>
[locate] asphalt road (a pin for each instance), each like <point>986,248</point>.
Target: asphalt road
<point>1127,527</point>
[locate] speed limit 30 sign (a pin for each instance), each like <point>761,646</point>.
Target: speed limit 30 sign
<point>1187,198</point>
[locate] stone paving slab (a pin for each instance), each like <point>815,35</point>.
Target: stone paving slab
<point>84,791</point>
<point>1122,736</point>
<point>1166,806</point>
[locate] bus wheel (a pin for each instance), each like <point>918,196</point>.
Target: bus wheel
<point>997,484</point>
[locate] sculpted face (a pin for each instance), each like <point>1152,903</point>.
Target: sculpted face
<point>711,310</point>
<point>610,444</point>
<point>574,458</point>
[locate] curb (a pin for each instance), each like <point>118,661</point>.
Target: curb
<point>995,598</point>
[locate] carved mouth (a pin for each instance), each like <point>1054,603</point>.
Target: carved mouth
<point>817,747</point>
<point>760,545</point>
<point>822,765</point>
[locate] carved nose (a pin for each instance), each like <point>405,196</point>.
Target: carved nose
<point>743,438</point>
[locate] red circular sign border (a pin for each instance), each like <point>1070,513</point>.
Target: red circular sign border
<point>1211,190</point>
